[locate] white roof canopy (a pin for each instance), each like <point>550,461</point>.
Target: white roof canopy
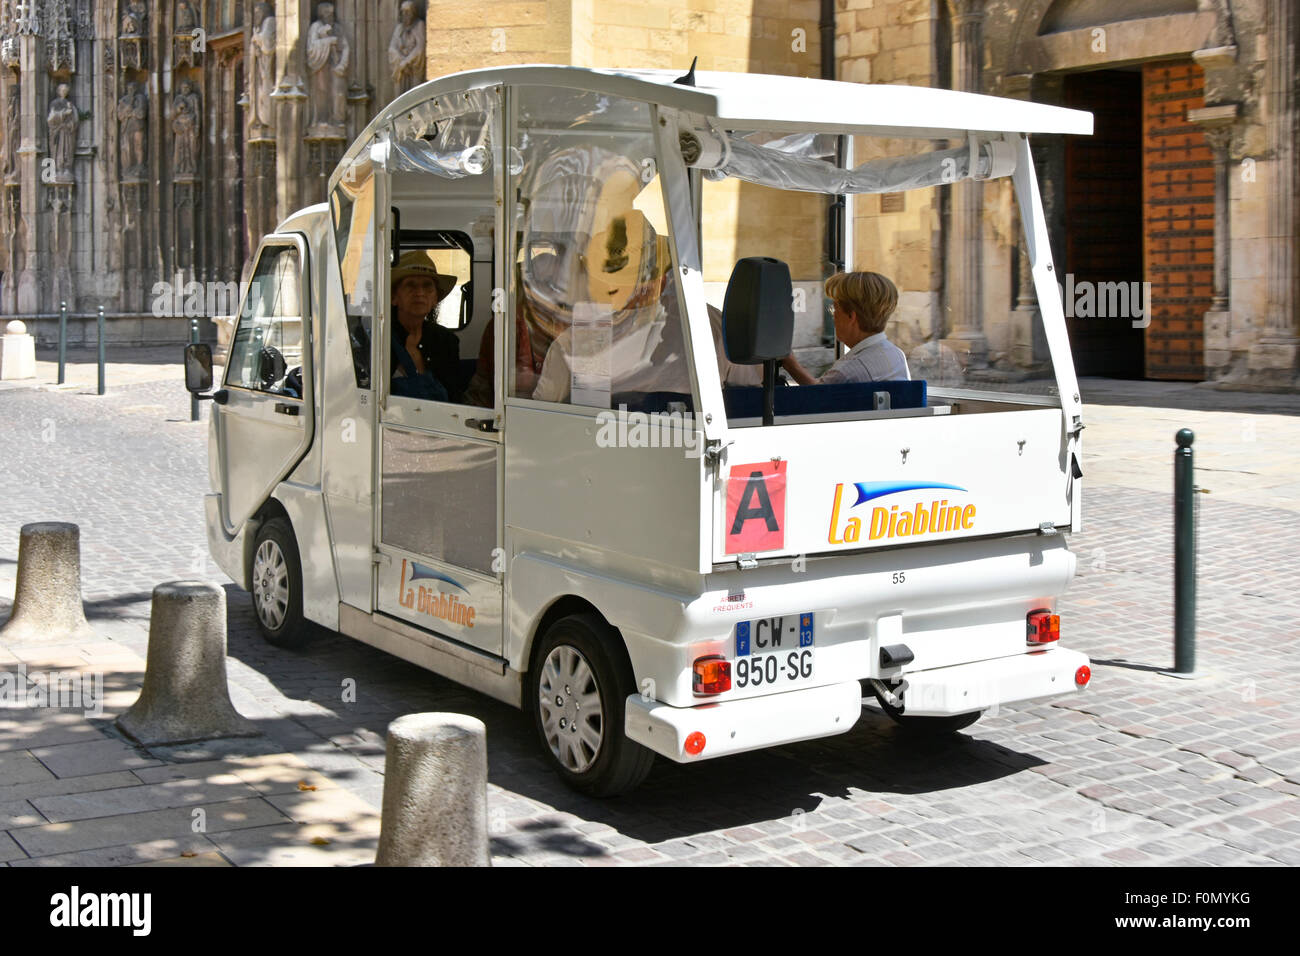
<point>756,101</point>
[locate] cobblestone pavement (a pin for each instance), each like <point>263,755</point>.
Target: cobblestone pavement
<point>1141,769</point>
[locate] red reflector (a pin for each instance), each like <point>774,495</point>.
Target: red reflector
<point>712,675</point>
<point>1083,675</point>
<point>1042,626</point>
<point>694,743</point>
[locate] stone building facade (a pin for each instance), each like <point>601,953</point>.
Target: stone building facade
<point>1187,184</point>
<point>132,154</point>
<point>147,145</point>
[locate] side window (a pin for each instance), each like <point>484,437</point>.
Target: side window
<point>598,318</point>
<point>353,207</point>
<point>455,263</point>
<point>266,353</point>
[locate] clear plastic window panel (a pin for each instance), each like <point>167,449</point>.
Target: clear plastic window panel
<point>266,353</point>
<point>598,310</point>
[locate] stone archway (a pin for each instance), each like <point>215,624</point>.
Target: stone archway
<point>1060,43</point>
<point>1059,35</point>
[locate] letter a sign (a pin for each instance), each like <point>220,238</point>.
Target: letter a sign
<point>756,507</point>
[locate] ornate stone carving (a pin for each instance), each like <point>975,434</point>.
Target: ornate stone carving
<point>135,19</point>
<point>187,119</point>
<point>132,36</point>
<point>261,74</point>
<point>61,123</point>
<point>13,129</point>
<point>27,19</point>
<point>184,24</point>
<point>132,127</point>
<point>60,47</point>
<point>406,49</point>
<point>327,70</point>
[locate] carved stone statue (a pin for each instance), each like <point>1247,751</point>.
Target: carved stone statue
<point>186,122</point>
<point>406,49</point>
<point>134,19</point>
<point>132,125</point>
<point>11,132</point>
<point>327,68</point>
<point>261,73</point>
<point>186,18</point>
<point>62,124</point>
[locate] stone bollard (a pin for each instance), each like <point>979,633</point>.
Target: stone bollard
<point>47,597</point>
<point>435,792</point>
<point>185,696</point>
<point>17,352</point>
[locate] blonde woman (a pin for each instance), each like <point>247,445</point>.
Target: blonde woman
<point>864,302</point>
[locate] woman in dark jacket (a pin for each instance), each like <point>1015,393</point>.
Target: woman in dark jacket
<point>426,355</point>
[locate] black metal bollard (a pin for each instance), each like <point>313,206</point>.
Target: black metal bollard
<point>1184,556</point>
<point>100,322</point>
<point>194,340</point>
<point>63,341</point>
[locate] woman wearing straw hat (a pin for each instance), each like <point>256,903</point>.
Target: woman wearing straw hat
<point>426,356</point>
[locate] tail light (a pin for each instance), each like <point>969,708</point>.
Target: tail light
<point>1042,626</point>
<point>712,675</point>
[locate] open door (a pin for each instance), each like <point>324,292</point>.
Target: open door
<point>265,426</point>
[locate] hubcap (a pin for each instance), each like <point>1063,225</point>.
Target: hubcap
<point>270,584</point>
<point>573,718</point>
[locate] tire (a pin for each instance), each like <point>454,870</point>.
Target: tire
<point>277,585</point>
<point>596,758</point>
<point>927,726</point>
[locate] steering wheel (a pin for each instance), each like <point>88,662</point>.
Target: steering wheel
<point>270,366</point>
<point>293,382</point>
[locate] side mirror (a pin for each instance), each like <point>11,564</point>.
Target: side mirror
<point>198,368</point>
<point>758,320</point>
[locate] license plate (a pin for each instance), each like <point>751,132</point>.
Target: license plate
<point>774,651</point>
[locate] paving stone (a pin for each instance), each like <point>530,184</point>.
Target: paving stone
<point>160,796</point>
<point>21,767</point>
<point>54,838</point>
<point>96,756</point>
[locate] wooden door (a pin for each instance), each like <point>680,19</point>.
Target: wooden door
<point>1178,213</point>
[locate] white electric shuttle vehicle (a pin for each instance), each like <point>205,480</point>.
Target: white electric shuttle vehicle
<point>552,489</point>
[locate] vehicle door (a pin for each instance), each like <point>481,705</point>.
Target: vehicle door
<point>439,462</point>
<point>265,424</point>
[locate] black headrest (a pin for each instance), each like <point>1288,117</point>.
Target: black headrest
<point>757,314</point>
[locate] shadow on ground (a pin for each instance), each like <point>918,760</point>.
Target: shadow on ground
<point>675,801</point>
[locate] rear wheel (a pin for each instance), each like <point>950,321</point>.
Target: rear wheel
<point>929,726</point>
<point>578,686</point>
<point>277,585</point>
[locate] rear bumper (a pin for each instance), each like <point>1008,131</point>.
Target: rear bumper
<point>1005,680</point>
<point>753,723</point>
<point>740,725</point>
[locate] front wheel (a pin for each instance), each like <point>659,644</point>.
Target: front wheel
<point>277,585</point>
<point>578,686</point>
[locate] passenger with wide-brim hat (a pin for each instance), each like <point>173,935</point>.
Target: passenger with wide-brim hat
<point>426,355</point>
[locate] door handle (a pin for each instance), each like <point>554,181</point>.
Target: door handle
<point>284,408</point>
<point>482,424</point>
